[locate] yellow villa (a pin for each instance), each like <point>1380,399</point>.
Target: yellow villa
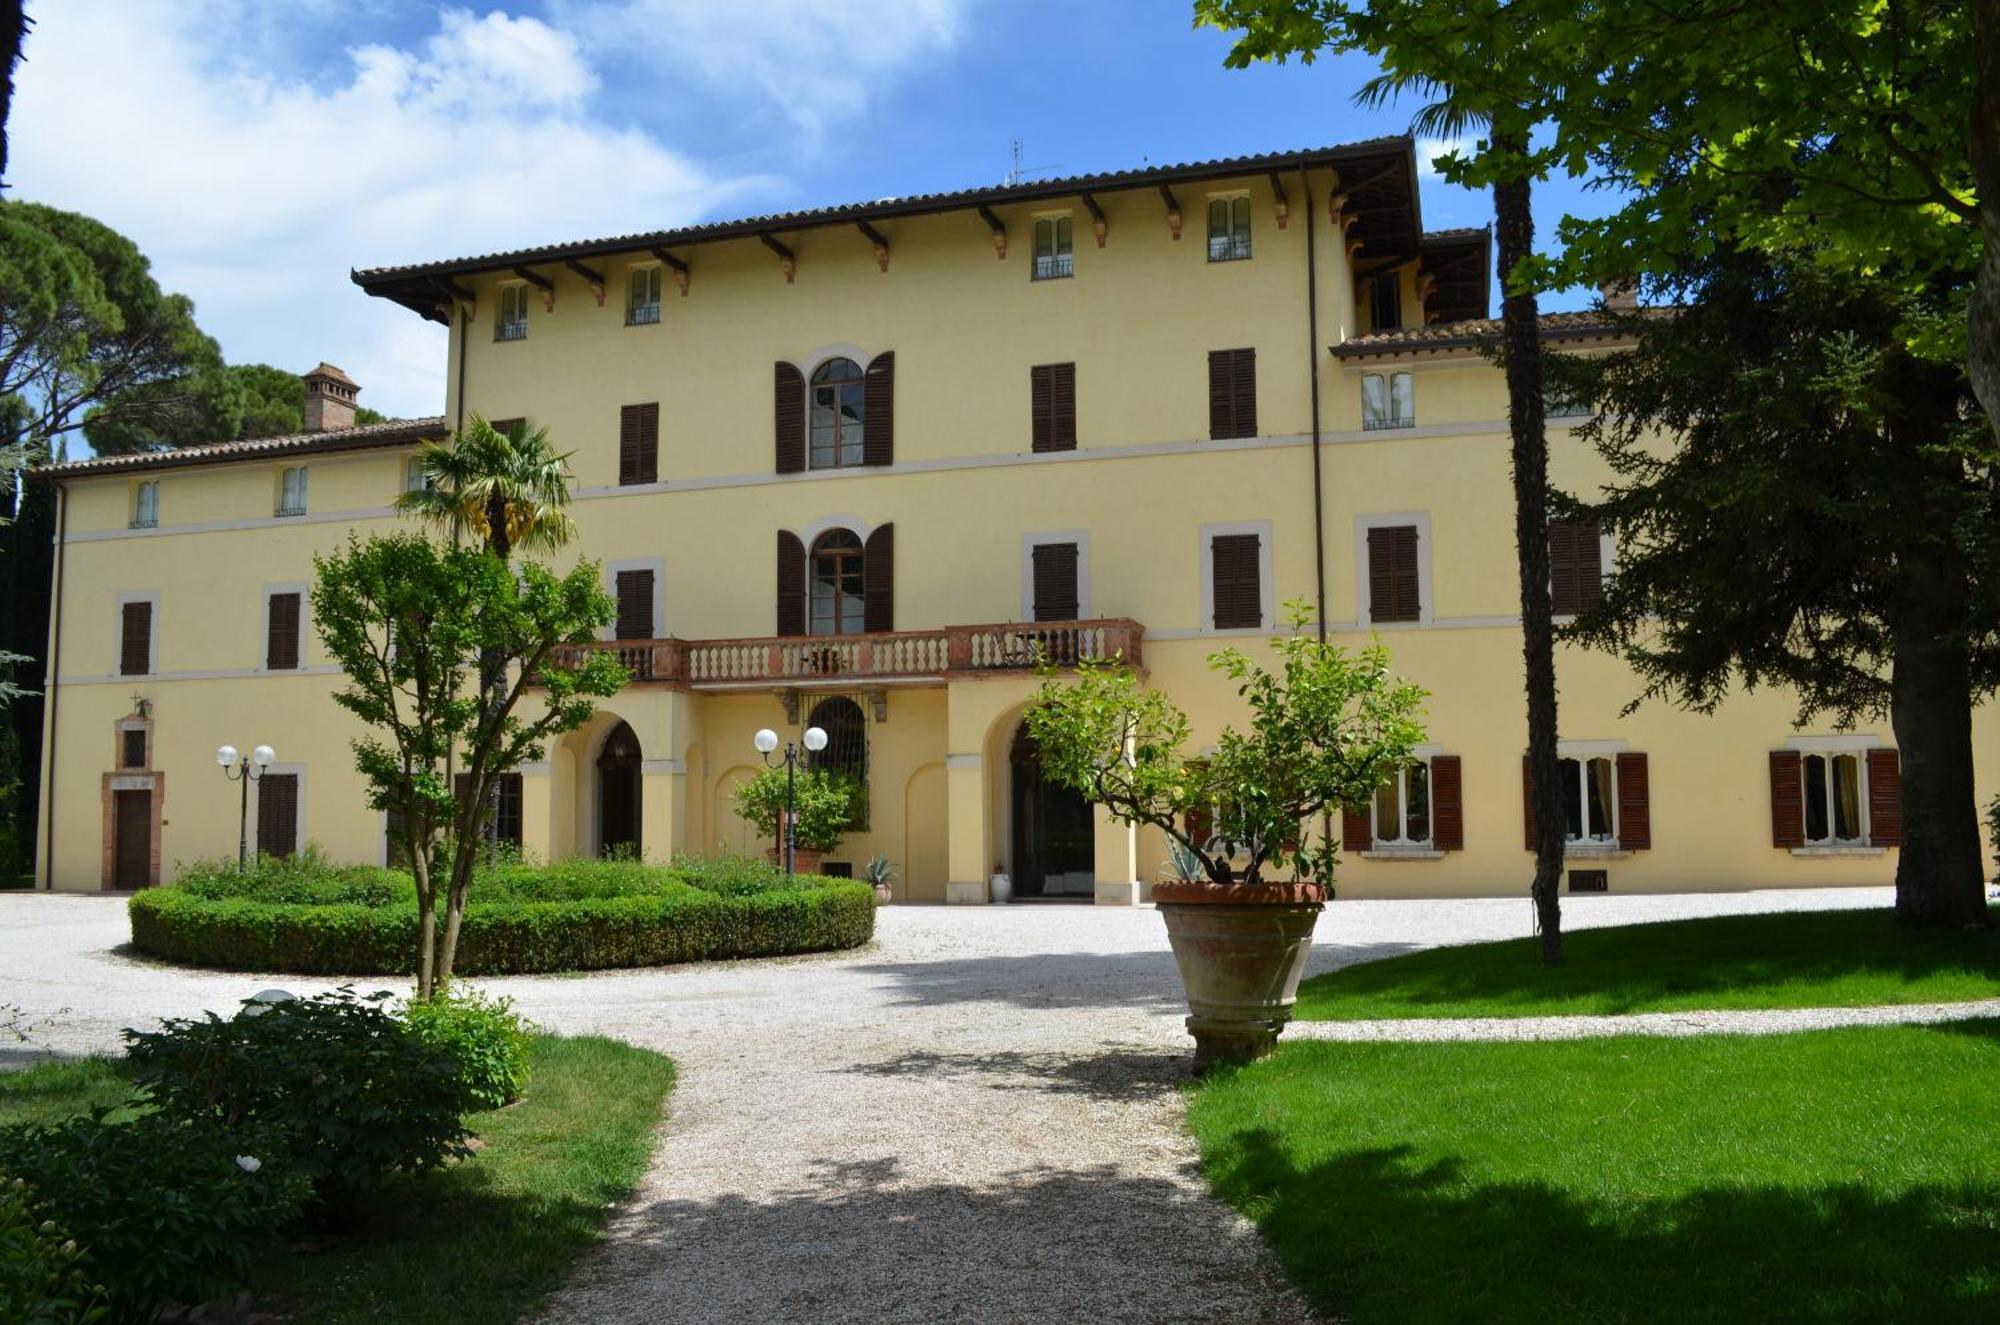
<point>850,467</point>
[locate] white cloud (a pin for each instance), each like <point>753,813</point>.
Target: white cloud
<point>814,62</point>
<point>1430,149</point>
<point>254,191</point>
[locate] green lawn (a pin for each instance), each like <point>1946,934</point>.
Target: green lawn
<point>1831,1176</point>
<point>1800,959</point>
<point>480,1242</point>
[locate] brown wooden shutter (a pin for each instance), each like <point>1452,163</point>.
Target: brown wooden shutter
<point>1788,800</point>
<point>639,443</point>
<point>1052,402</point>
<point>1885,798</point>
<point>878,432</point>
<point>1356,833</point>
<point>1576,566</point>
<point>277,814</point>
<point>1527,803</point>
<point>1447,804</point>
<point>791,584</point>
<point>1065,407</point>
<point>789,408</point>
<point>1393,582</point>
<point>1236,577</point>
<point>1232,393</point>
<point>1635,805</point>
<point>505,426</point>
<point>635,604</point>
<point>878,580</point>
<point>1055,579</point>
<point>135,646</point>
<point>281,641</point>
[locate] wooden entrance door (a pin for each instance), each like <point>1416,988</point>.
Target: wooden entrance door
<point>132,839</point>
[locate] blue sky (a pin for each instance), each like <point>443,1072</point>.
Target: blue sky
<point>257,149</point>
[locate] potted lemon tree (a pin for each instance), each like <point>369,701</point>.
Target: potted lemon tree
<point>1326,727</point>
<point>822,805</point>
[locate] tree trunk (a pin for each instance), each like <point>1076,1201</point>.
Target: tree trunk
<point>454,911</point>
<point>1940,876</point>
<point>1983,314</point>
<point>491,668</point>
<point>426,927</point>
<point>1520,330</point>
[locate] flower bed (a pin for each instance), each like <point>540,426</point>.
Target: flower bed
<point>308,917</point>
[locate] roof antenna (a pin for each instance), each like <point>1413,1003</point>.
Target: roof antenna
<point>1014,171</point>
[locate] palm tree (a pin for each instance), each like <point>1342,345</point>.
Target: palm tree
<point>509,489</point>
<point>1450,115</point>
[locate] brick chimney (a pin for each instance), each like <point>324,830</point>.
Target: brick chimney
<point>1620,296</point>
<point>329,399</point>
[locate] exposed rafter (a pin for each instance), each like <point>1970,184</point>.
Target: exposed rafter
<point>1173,211</point>
<point>1284,203</point>
<point>542,283</point>
<point>1098,226</point>
<point>674,265</point>
<point>595,278</point>
<point>787,263</point>
<point>874,237</point>
<point>996,229</point>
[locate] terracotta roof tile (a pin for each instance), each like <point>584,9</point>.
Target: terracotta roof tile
<point>394,432</point>
<point>1588,324</point>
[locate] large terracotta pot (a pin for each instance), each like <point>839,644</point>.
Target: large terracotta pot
<point>805,860</point>
<point>1241,950</point>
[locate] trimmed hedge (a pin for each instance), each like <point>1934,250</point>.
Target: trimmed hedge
<point>308,918</point>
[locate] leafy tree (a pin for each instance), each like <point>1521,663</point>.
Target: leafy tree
<point>822,799</point>
<point>1434,50</point>
<point>1822,517</point>
<point>403,617</point>
<point>84,327</point>
<point>1326,730</point>
<point>243,400</point>
<point>14,24</point>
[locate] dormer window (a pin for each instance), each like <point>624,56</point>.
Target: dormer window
<point>1229,229</point>
<point>512,324</point>
<point>1053,258</point>
<point>146,505</point>
<point>643,306</point>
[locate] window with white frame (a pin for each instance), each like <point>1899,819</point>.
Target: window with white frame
<point>292,490</point>
<point>1228,229</point>
<point>1388,400</point>
<point>1402,811</point>
<point>146,505</point>
<point>1053,257</point>
<point>643,307</point>
<point>1836,810</point>
<point>415,477</point>
<point>1590,800</point>
<point>512,324</point>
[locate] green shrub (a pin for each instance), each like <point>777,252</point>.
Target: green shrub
<point>822,802</point>
<point>351,1092</point>
<point>522,918</point>
<point>162,1208</point>
<point>484,1036</point>
<point>42,1279</point>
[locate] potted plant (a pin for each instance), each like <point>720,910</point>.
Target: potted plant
<point>880,874</point>
<point>821,805</point>
<point>1326,728</point>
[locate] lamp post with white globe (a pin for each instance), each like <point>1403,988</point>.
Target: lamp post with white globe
<point>814,739</point>
<point>238,769</point>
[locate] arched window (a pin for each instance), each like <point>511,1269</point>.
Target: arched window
<point>839,411</point>
<point>836,581</point>
<point>846,750</point>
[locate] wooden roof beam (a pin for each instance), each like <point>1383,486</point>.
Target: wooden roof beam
<point>874,236</point>
<point>1173,211</point>
<point>595,278</point>
<point>1284,202</point>
<point>1098,226</point>
<point>676,266</point>
<point>542,283</point>
<point>996,229</point>
<point>787,261</point>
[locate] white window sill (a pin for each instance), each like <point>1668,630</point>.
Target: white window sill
<point>1402,853</point>
<point>1849,850</point>
<point>1609,851</point>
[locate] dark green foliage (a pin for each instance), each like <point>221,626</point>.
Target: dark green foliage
<point>42,1279</point>
<point>347,1088</point>
<point>571,915</point>
<point>484,1037</point>
<point>164,1208</point>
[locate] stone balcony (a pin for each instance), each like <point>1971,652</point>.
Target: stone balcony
<point>901,657</point>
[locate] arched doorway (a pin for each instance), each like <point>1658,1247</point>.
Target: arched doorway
<point>1054,837</point>
<point>846,752</point>
<point>618,793</point>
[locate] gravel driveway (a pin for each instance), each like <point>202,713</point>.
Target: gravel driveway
<point>974,1119</point>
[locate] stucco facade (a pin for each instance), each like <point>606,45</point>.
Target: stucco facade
<point>1142,497</point>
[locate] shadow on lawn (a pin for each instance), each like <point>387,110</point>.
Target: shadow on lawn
<point>1631,967</point>
<point>1375,1237</point>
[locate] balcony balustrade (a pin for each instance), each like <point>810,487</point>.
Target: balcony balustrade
<point>903,656</point>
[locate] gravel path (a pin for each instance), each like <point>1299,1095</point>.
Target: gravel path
<point>975,1119</point>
